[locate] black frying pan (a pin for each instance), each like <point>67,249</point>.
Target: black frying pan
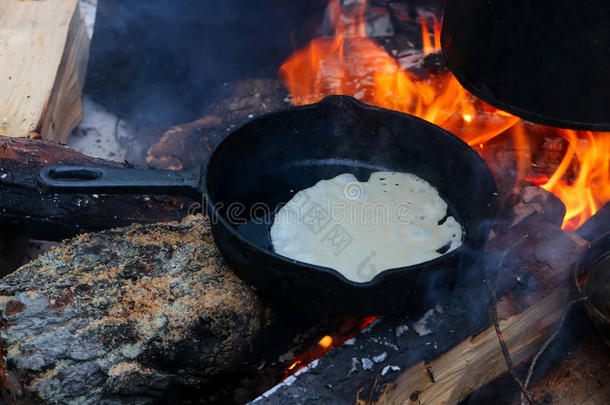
<point>263,163</point>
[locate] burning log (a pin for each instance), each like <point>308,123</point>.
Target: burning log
<point>531,316</point>
<point>451,377</point>
<point>27,210</point>
<point>44,51</point>
<point>189,145</point>
<point>123,316</point>
<point>525,199</point>
<point>597,225</point>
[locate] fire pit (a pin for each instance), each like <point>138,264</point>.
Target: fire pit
<point>142,307</point>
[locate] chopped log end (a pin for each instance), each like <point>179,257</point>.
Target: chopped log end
<point>581,378</point>
<point>123,314</point>
<point>64,109</point>
<point>46,76</point>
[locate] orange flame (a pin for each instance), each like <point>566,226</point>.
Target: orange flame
<point>427,46</point>
<point>351,63</point>
<point>350,327</point>
<point>591,188</point>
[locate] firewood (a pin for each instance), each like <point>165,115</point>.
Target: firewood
<point>530,317</point>
<point>26,209</point>
<point>542,263</point>
<point>597,225</point>
<point>124,315</point>
<point>189,145</point>
<point>525,199</point>
<point>451,377</point>
<point>44,48</point>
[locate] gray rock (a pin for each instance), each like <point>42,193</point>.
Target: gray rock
<point>119,316</point>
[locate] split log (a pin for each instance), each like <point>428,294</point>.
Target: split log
<point>451,377</point>
<point>123,316</point>
<point>44,48</point>
<point>27,210</point>
<point>545,262</point>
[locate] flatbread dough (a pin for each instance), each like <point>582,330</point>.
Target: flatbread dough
<point>363,228</point>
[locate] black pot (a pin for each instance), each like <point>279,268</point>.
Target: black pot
<point>270,158</point>
<point>543,60</point>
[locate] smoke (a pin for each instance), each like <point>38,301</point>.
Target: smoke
<point>158,63</point>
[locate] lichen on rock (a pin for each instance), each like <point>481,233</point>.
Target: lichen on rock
<point>118,316</point>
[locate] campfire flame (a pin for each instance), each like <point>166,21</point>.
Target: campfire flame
<point>590,189</point>
<point>351,63</point>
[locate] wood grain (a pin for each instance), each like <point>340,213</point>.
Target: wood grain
<point>451,377</point>
<point>44,50</point>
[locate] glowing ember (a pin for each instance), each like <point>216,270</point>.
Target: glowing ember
<point>325,342</point>
<point>352,64</point>
<point>349,327</point>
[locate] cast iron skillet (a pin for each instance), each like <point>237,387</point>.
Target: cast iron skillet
<point>263,163</point>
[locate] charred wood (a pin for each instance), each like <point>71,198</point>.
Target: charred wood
<point>581,378</point>
<point>597,225</point>
<point>189,145</point>
<point>477,360</point>
<point>525,199</point>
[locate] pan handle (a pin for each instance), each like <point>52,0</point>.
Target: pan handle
<point>111,180</point>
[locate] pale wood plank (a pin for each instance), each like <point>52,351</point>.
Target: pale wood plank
<point>44,50</point>
<point>449,378</point>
